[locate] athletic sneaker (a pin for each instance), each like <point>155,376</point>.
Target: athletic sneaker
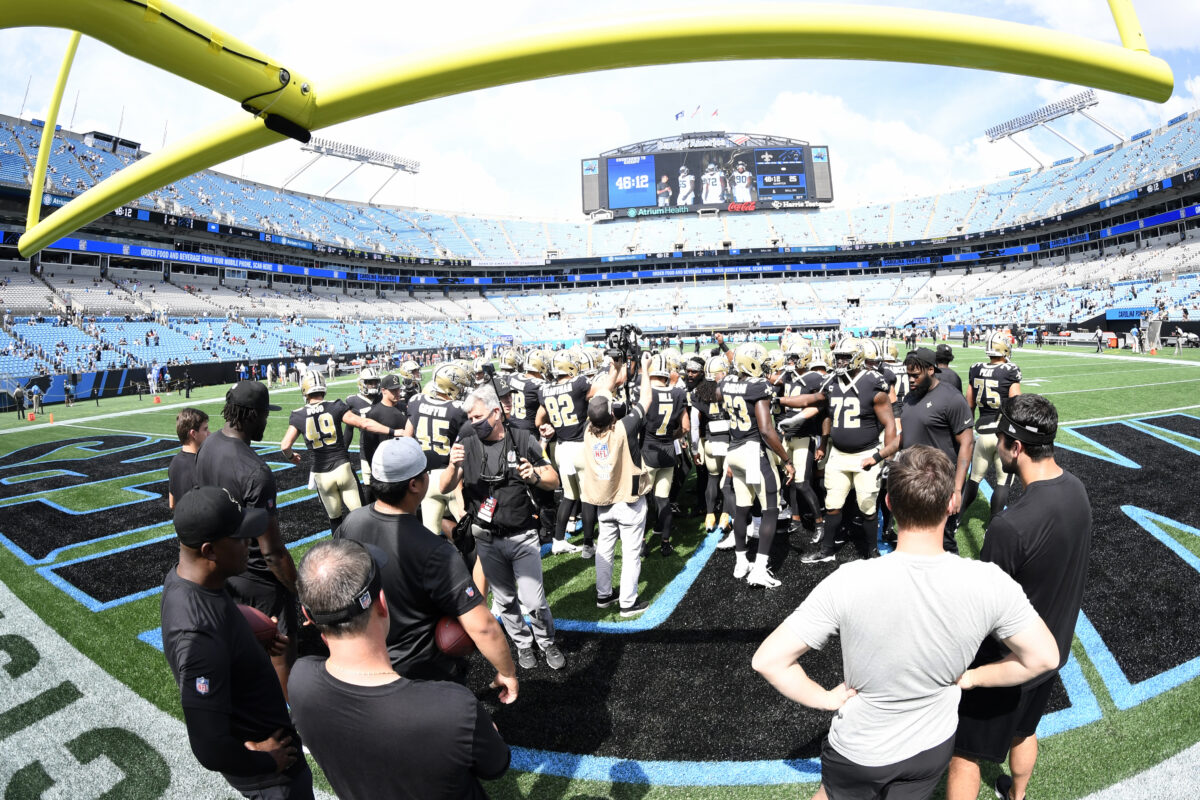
<point>818,556</point>
<point>606,600</point>
<point>635,609</point>
<point>728,542</point>
<point>710,523</point>
<point>741,569</point>
<point>554,657</point>
<point>761,576</point>
<point>587,551</point>
<point>667,549</point>
<point>818,533</point>
<point>526,657</point>
<point>1004,786</point>
<point>561,546</point>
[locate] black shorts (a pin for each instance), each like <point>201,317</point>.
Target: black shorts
<point>914,778</point>
<point>273,600</point>
<point>990,718</point>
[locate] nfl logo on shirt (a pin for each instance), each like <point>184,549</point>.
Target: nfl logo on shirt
<point>470,591</point>
<point>600,451</point>
<point>201,685</point>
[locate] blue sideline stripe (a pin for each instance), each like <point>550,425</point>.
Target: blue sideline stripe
<point>41,475</point>
<point>1126,695</point>
<point>1190,443</point>
<point>667,773</point>
<point>152,638</point>
<point>85,446</point>
<point>1084,708</point>
<point>1105,454</point>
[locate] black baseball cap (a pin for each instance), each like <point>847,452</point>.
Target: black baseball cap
<point>945,353</point>
<point>208,513</point>
<point>924,357</point>
<point>391,382</point>
<point>250,394</point>
<point>503,386</point>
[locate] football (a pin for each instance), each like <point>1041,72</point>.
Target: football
<point>452,639</point>
<point>261,625</point>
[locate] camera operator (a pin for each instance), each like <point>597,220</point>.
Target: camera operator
<point>497,466</point>
<point>615,481</point>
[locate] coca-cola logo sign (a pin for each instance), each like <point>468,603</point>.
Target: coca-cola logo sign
<point>742,206</point>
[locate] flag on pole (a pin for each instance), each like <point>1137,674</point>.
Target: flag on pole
<point>740,139</point>
<point>679,116</point>
<point>697,111</point>
<point>714,112</point>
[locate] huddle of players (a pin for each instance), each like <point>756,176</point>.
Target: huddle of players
<point>715,186</point>
<point>798,428</point>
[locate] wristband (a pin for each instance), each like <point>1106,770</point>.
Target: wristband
<point>876,457</point>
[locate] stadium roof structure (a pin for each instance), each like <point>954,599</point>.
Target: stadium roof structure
<point>703,140</point>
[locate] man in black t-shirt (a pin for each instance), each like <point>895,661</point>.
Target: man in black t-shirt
<point>425,578</point>
<point>943,356</point>
<point>937,415</point>
<point>391,411</point>
<point>227,460</point>
<point>375,733</point>
<point>233,705</point>
<point>368,395</point>
<point>191,426</point>
<point>497,468</point>
<point>1043,541</point>
<point>320,422</point>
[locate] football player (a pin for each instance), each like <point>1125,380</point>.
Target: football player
<point>510,361</point>
<point>989,385</point>
<point>666,425</point>
<point>320,423</point>
<point>434,418</point>
<point>802,431</point>
<point>741,180</point>
<point>562,415</point>
<point>860,410</point>
<point>746,398</point>
<point>710,444</point>
<point>368,395</point>
<point>687,187</point>
<point>713,183</point>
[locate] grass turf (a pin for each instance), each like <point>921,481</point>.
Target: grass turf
<point>1121,743</point>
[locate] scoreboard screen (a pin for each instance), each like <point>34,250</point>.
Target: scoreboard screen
<point>736,179</point>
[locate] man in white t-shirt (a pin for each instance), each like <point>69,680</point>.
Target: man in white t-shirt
<point>910,624</point>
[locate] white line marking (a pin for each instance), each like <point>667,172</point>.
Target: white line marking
<point>1119,388</point>
<point>1147,414</point>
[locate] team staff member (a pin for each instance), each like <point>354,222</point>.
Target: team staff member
<point>233,706</point>
<point>1043,541</point>
<point>989,386</point>
<point>937,415</point>
<point>893,732</point>
<point>666,421</point>
<point>496,471</point>
<point>615,481</point>
<point>391,411</point>
<point>943,356</point>
<point>374,732</point>
<point>425,577</point>
<point>191,426</point>
<point>435,418</point>
<point>860,412</point>
<point>562,415</point>
<point>227,460</point>
<point>321,423</point>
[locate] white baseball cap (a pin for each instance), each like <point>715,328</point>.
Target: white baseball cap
<point>398,460</point>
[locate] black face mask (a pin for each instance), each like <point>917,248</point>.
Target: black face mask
<point>483,427</point>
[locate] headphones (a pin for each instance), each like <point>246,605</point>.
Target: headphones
<point>363,598</point>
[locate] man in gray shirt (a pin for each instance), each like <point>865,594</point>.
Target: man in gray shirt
<point>909,624</point>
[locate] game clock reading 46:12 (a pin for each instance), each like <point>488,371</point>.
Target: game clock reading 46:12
<point>631,182</point>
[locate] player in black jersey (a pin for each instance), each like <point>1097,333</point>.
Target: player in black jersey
<point>320,423</point>
<point>891,363</point>
<point>802,431</point>
<point>989,385</point>
<point>563,415</point>
<point>525,402</point>
<point>710,444</point>
<point>368,395</point>
<point>434,418</point>
<point>746,399</point>
<point>860,410</point>
<point>391,410</point>
<point>665,426</point>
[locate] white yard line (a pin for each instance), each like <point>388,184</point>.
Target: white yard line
<point>1119,388</point>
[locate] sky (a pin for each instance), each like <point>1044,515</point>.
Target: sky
<point>894,130</point>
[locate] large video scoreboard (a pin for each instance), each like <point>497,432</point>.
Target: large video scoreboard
<point>673,181</point>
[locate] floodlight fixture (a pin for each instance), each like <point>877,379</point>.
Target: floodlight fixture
<point>1060,108</point>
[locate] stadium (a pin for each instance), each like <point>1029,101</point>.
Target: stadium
<point>1088,263</point>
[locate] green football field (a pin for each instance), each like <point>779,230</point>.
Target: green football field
<point>88,707</point>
